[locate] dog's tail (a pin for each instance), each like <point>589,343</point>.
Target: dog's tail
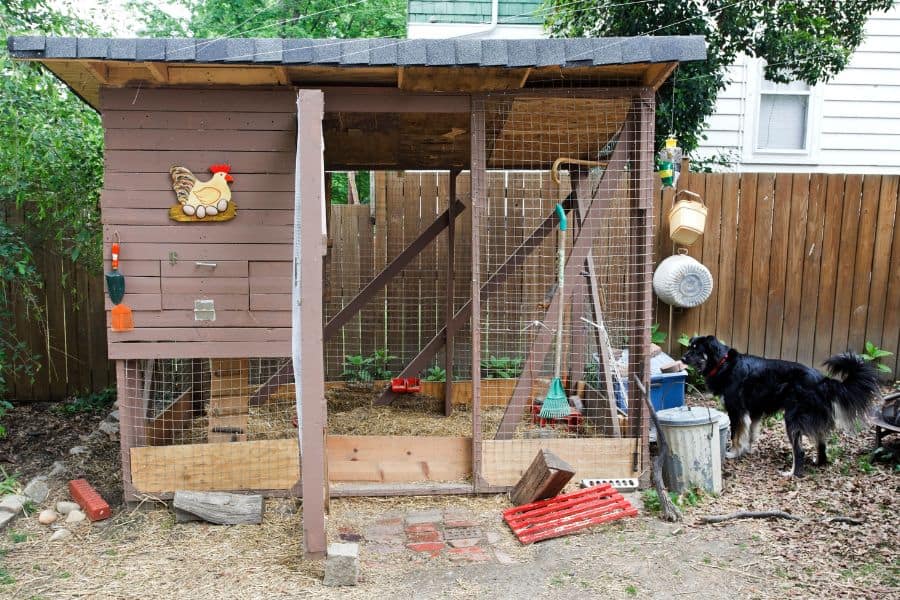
<point>855,391</point>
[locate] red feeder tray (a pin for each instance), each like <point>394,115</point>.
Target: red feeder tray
<point>571,423</point>
<point>406,385</point>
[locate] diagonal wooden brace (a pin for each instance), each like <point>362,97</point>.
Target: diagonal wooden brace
<point>513,261</point>
<point>589,219</point>
<point>382,279</point>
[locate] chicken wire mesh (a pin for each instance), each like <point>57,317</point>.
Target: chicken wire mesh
<point>209,424</point>
<point>592,141</point>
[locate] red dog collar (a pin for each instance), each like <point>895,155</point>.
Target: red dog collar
<point>717,367</point>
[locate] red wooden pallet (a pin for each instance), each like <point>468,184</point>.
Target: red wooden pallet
<point>567,513</point>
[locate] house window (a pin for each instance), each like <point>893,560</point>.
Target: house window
<point>783,123</point>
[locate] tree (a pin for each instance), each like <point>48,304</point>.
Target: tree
<point>268,18</point>
<point>806,40</point>
<point>52,164</point>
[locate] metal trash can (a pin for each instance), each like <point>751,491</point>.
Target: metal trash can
<point>694,458</point>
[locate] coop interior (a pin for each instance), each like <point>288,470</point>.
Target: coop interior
<point>555,312</point>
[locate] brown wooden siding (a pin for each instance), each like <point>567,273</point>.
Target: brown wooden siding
<point>148,131</point>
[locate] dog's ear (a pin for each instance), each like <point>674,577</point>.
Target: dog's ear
<point>694,340</point>
<point>732,353</point>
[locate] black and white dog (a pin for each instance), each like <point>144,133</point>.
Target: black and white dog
<point>753,388</point>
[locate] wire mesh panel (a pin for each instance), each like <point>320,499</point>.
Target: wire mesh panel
<point>564,265</point>
<point>209,424</point>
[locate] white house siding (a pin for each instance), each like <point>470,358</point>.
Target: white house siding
<point>855,121</point>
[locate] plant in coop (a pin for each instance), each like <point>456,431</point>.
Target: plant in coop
<point>366,369</point>
<point>502,367</point>
<point>435,373</point>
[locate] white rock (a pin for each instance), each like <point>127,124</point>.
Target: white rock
<point>47,516</point>
<point>37,489</point>
<point>78,450</point>
<point>65,508</point>
<point>13,503</point>
<point>75,516</point>
<point>110,429</point>
<point>59,468</point>
<point>6,518</point>
<point>60,534</point>
<point>113,416</point>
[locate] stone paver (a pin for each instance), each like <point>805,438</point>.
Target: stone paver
<point>432,548</point>
<point>423,516</point>
<point>464,542</point>
<point>424,536</point>
<point>471,554</point>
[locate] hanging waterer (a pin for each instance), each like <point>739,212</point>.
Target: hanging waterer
<point>669,159</point>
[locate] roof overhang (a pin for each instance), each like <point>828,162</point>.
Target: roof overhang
<point>451,65</point>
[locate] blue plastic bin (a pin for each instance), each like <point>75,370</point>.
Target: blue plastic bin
<point>667,390</point>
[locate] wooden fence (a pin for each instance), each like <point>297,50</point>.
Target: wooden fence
<point>805,265</point>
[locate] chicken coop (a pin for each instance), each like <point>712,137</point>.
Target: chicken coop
<point>278,339</point>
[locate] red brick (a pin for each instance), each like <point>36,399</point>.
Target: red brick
<point>89,500</point>
<point>397,521</point>
<point>421,528</point>
<point>432,548</point>
<point>424,536</point>
<point>472,554</point>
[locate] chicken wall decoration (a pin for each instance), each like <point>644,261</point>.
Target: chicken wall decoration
<point>202,200</point>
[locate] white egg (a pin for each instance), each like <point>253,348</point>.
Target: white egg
<point>188,210</point>
<point>211,211</point>
<point>222,205</point>
<point>201,212</point>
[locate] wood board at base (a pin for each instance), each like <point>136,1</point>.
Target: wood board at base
<point>274,464</point>
<point>503,462</point>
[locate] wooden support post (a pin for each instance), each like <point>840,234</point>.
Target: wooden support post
<point>479,186</point>
<point>449,306</point>
<point>310,241</point>
<point>493,283</point>
<point>641,297</point>
<point>382,279</point>
<point>594,203</point>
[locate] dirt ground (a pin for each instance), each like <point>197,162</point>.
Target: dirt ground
<point>142,553</point>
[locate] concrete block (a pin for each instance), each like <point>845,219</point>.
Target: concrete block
<point>342,565</point>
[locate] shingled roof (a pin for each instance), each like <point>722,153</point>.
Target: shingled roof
<point>368,52</point>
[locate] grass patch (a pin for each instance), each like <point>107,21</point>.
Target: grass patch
<point>692,497</point>
<point>6,578</point>
<point>631,590</point>
<point>94,402</point>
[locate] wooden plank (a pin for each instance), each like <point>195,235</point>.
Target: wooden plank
<point>199,121</point>
<point>478,144</point>
<point>270,301</point>
<point>270,269</point>
<point>781,220</point>
<point>398,458</point>
<point>261,464</point>
<point>269,285</point>
<point>220,508</point>
<point>545,477</point>
<point>224,318</point>
<point>161,181</point>
<point>204,270</point>
<point>205,252</point>
<point>160,161</point>
<point>688,320</point>
<point>204,285</point>
<point>449,298</point>
<point>199,100</point>
<point>887,211</point>
<point>231,232</point>
<point>794,230</point>
<point>505,461</point>
<point>846,260</point>
<point>725,285</point>
<point>136,301</point>
<point>223,366</point>
<point>186,301</point>
<point>762,239</point>
<point>250,217</point>
<point>743,266</point>
<point>192,139</point>
<point>862,270</point>
<point>205,334</point>
<point>891,328</point>
<point>129,350</point>
<point>812,262</point>
<point>828,269</point>
<point>711,249</point>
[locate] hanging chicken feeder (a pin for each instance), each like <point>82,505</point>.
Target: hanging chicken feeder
<point>687,218</point>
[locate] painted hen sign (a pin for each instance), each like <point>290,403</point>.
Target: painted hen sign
<point>202,200</point>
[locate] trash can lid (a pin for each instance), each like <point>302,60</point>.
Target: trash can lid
<point>724,421</point>
<point>685,416</point>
